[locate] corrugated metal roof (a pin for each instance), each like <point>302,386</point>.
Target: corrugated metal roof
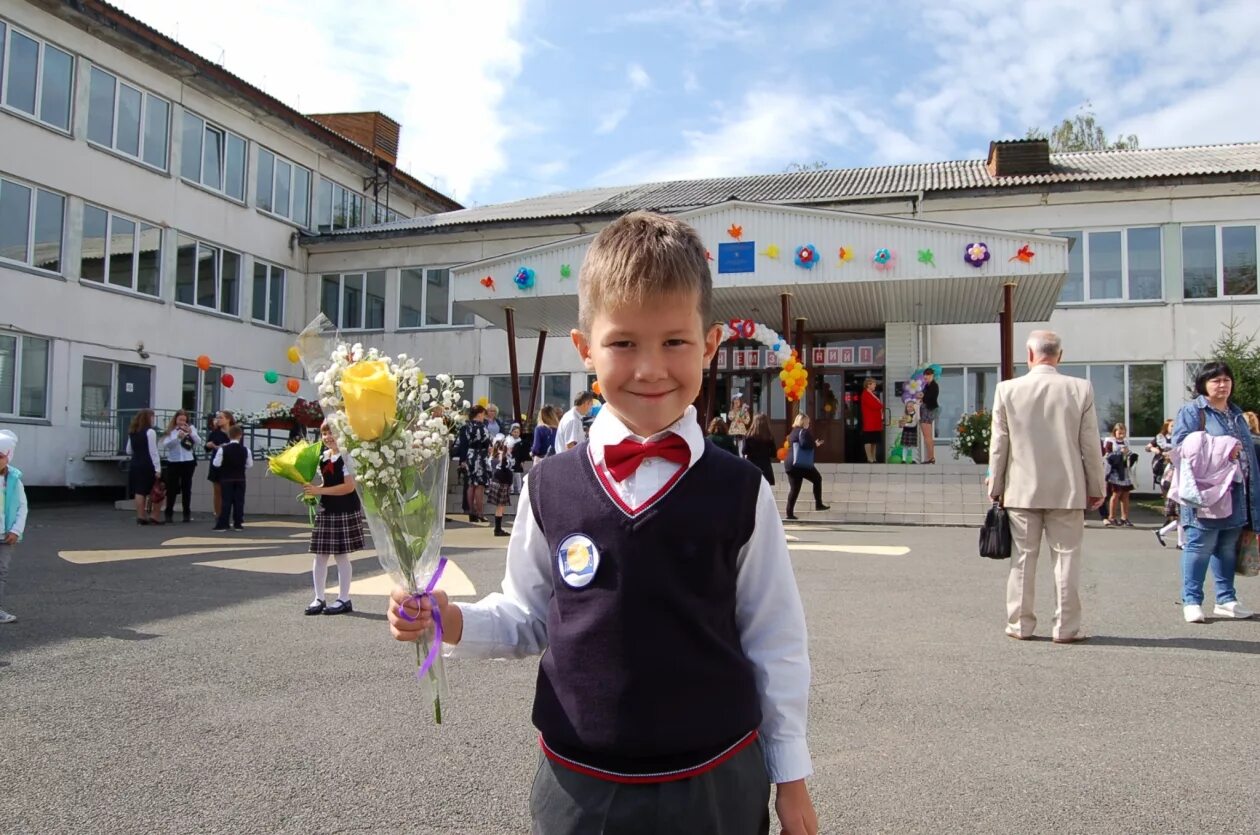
<point>848,183</point>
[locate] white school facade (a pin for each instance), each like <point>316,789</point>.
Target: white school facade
<point>154,209</point>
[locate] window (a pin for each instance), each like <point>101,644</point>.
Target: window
<point>1219,261</point>
<point>284,188</point>
<point>964,390</point>
<point>269,294</point>
<point>31,225</point>
<point>1114,265</point>
<point>337,208</point>
<point>128,119</point>
<point>200,394</point>
<point>555,390</point>
<point>424,299</point>
<point>97,399</point>
<point>213,157</point>
<point>382,214</point>
<point>1128,394</point>
<point>36,77</point>
<point>207,276</point>
<point>23,376</point>
<point>120,251</point>
<point>354,301</point>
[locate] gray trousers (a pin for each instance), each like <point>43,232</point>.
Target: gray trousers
<point>6,556</point>
<point>732,799</point>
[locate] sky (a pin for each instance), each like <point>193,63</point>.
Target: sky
<point>505,99</point>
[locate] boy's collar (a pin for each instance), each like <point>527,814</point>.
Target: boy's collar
<point>608,430</point>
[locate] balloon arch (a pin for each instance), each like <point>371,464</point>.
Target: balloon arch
<point>792,374</point>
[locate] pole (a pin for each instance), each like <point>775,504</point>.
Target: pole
<point>537,381</point>
<point>799,334</point>
<point>785,304</point>
<point>1006,327</point>
<point>516,383</point>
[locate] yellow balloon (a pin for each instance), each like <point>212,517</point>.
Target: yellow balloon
<point>293,354</point>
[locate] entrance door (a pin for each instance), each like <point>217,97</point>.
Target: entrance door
<point>135,392</point>
<point>853,382</point>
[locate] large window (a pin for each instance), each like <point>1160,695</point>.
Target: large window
<point>207,276</point>
<point>200,395</point>
<point>284,188</point>
<point>380,213</point>
<point>31,221</point>
<point>1114,265</point>
<point>128,119</point>
<point>337,208</point>
<point>354,301</point>
<point>1219,261</point>
<point>1129,394</point>
<point>268,294</point>
<point>36,78</point>
<point>967,389</point>
<point>213,156</point>
<point>23,376</point>
<point>555,390</point>
<point>120,251</point>
<point>424,299</point>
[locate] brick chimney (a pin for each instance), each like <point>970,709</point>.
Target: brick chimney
<point>374,131</point>
<point>1019,157</point>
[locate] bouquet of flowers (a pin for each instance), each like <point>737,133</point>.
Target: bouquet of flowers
<point>394,425</point>
<point>298,463</point>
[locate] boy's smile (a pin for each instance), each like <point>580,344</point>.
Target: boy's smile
<point>650,359</point>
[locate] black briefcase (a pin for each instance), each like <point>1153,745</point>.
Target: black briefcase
<point>995,534</point>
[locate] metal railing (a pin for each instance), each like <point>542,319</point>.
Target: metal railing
<point>107,435</point>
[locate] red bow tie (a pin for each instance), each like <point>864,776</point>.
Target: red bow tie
<point>624,458</point>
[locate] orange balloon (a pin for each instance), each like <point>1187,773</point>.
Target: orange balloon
<point>782,453</point>
<point>595,388</point>
<point>293,386</point>
<point>203,362</point>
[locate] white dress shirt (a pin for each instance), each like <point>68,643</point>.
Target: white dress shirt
<point>174,449</point>
<point>218,456</point>
<point>570,430</point>
<point>151,435</point>
<point>771,621</point>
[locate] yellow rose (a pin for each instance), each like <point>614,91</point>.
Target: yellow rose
<point>371,398</point>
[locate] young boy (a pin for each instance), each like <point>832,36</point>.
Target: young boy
<point>12,512</point>
<point>653,569</point>
<point>232,460</point>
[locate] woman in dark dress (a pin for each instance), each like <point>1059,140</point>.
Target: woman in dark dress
<point>719,436</point>
<point>759,446</point>
<point>800,464</point>
<point>146,466</point>
<point>473,448</point>
<point>217,437</point>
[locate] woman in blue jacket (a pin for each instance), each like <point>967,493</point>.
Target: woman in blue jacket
<point>1215,541</point>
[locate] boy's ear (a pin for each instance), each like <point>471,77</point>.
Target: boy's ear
<point>583,344</point>
<point>712,339</point>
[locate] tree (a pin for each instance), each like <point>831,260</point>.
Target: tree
<point>1242,354</point>
<point>1082,134</point>
<point>797,167</point>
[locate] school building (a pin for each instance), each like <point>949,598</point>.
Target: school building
<point>154,208</point>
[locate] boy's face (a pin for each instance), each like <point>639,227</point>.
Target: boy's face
<point>4,462</point>
<point>649,359</point>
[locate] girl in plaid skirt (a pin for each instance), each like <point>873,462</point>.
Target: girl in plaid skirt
<point>499,490</point>
<point>338,527</point>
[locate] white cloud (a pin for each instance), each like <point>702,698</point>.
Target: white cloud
<point>691,81</point>
<point>616,107</point>
<point>639,79</point>
<point>413,61</point>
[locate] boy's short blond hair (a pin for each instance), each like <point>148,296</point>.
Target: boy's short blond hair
<point>641,256</point>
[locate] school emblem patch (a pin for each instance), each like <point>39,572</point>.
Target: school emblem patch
<point>578,559</point>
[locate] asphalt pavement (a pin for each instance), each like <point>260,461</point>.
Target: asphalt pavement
<point>164,680</point>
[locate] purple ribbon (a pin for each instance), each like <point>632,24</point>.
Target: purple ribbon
<point>437,617</point>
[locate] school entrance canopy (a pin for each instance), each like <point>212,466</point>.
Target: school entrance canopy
<point>860,272</point>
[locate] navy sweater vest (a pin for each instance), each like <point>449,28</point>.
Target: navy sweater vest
<point>232,467</point>
<point>644,672</point>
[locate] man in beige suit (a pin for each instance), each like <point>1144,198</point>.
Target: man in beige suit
<point>1047,468</point>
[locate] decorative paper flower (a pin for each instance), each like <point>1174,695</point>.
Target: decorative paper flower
<point>370,394</point>
<point>1025,254</point>
<point>487,282</point>
<point>883,258</point>
<point>977,254</point>
<point>927,257</point>
<point>524,278</point>
<point>565,271</point>
<point>846,253</point>
<point>735,231</point>
<point>771,251</point>
<point>806,256</point>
